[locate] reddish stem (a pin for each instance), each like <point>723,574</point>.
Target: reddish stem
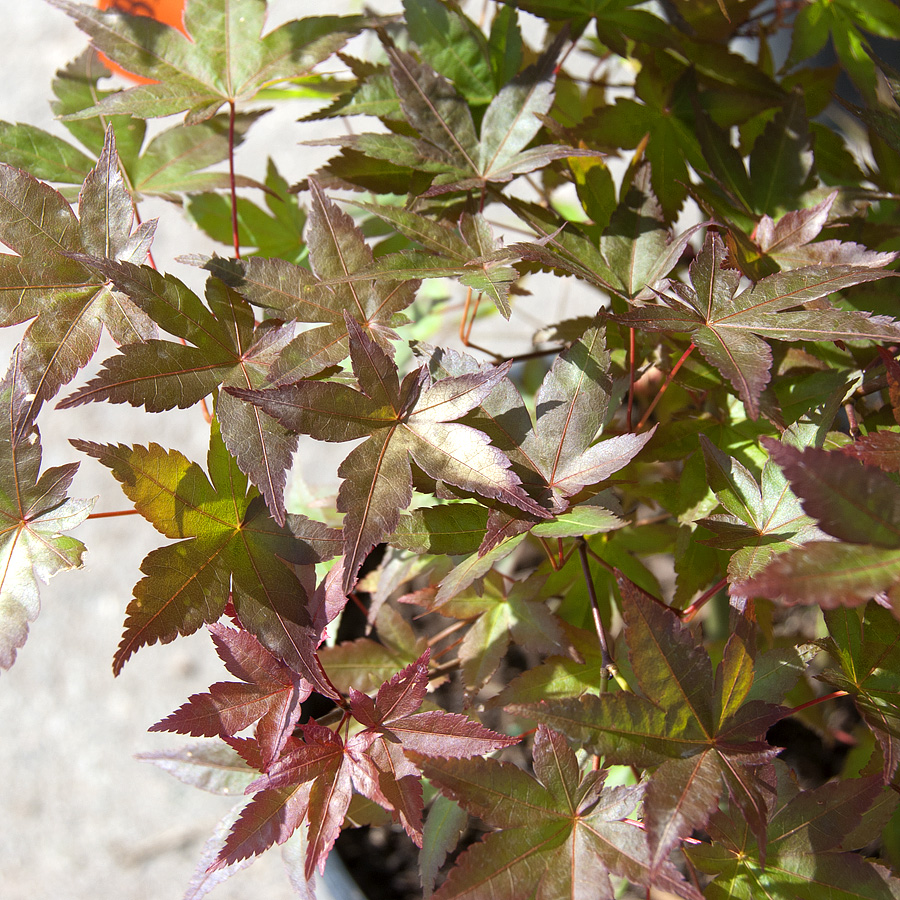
<point>233,183</point>
<point>832,696</point>
<point>689,612</point>
<point>449,647</point>
<point>450,629</point>
<point>549,552</point>
<point>630,378</point>
<point>465,313</point>
<point>114,513</point>
<point>665,386</point>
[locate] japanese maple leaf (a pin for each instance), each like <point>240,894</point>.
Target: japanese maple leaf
<point>166,164</point>
<point>555,453</point>
<point>68,301</point>
<point>341,282</point>
<point>34,514</point>
<point>810,848</point>
<point>502,610</point>
<point>270,696</point>
<point>865,644</point>
<point>791,240</point>
<point>857,504</point>
<point>229,546</point>
<point>373,762</point>
<point>561,831</point>
<point>447,147</point>
<point>415,419</point>
<point>224,58</point>
<point>762,520</point>
<point>697,730</point>
<point>219,345</point>
<point>635,253</point>
<point>469,252</point>
<point>729,328</point>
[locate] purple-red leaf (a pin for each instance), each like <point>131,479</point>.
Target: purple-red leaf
<point>413,420</point>
<point>271,696</point>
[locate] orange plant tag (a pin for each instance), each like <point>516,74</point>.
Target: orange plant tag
<point>171,12</point>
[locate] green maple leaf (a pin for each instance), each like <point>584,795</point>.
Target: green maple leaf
<point>730,327</point>
<point>847,22</point>
<point>806,848</point>
<point>559,676</point>
<point>219,345</point>
<point>502,611</point>
<point>448,149</point>
<point>634,255</point>
<point>34,513</point>
<point>413,419</point>
<point>70,303</point>
<point>166,165</point>
<point>696,729</point>
<point>865,643</point>
<point>561,831</point>
<point>273,231</point>
<point>226,58</point>
<point>762,520</point>
<point>229,547</point>
<point>454,45</point>
<point>340,283</point>
<point>662,112</point>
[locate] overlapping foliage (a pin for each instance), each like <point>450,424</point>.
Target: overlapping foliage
<point>565,512</point>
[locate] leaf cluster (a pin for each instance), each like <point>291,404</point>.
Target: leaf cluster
<point>635,545</point>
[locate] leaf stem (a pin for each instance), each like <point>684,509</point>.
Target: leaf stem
<point>114,513</point>
<point>665,386</point>
<point>465,314</point>
<point>466,332</point>
<point>630,378</point>
<point>450,629</point>
<point>232,181</point>
<point>550,555</point>
<point>689,612</point>
<point>443,668</point>
<point>832,696</point>
<point>606,660</point>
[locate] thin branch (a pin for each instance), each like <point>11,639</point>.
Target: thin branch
<point>665,386</point>
<point>832,696</point>
<point>114,514</point>
<point>630,379</point>
<point>689,612</point>
<point>606,660</point>
<point>450,629</point>
<point>234,210</point>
